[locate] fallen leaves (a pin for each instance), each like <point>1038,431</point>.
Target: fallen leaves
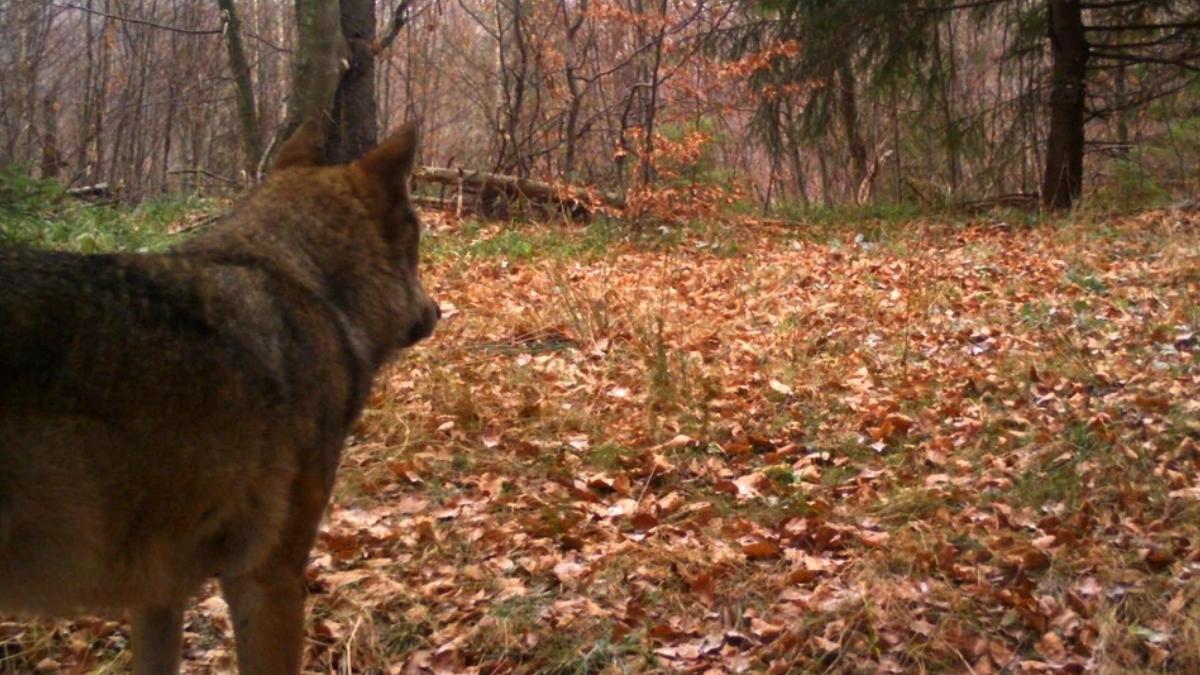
<point>940,456</point>
<point>761,549</point>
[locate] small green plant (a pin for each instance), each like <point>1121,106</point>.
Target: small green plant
<point>1087,280</point>
<point>1036,314</point>
<point>781,475</point>
<point>511,244</point>
<point>1133,186</point>
<point>608,456</point>
<point>25,197</point>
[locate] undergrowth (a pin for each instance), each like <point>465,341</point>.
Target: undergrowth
<point>39,213</point>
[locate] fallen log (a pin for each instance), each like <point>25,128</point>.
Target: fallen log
<point>427,202</point>
<point>574,199</point>
<point>99,191</point>
<point>1021,200</point>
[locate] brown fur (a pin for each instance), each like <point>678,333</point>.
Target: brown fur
<point>169,418</point>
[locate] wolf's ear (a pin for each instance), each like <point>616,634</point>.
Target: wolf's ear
<point>391,162</point>
<point>305,147</point>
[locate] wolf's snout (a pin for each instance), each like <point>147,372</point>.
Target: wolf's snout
<point>433,314</point>
<point>423,327</point>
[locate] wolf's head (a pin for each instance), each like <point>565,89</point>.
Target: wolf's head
<point>365,233</point>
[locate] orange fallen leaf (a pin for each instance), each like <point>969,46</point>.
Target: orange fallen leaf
<point>761,549</point>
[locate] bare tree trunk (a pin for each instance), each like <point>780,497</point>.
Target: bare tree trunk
<point>1063,181</point>
<point>51,156</point>
<point>848,107</point>
<point>898,147</point>
<point>243,89</point>
<point>575,104</point>
<point>799,172</point>
<point>946,74</point>
<point>826,181</point>
<point>355,109</point>
<point>101,99</point>
<point>652,106</point>
<point>316,65</point>
<point>384,81</point>
<point>1122,110</point>
<point>172,105</point>
<point>514,72</point>
<point>625,149</point>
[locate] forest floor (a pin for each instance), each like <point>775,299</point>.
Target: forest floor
<point>929,447</point>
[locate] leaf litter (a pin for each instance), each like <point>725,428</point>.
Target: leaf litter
<point>969,449</point>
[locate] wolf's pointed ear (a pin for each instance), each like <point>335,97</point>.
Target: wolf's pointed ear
<point>305,147</point>
<point>392,161</point>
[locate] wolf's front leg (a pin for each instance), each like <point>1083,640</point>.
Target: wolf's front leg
<point>268,620</point>
<point>157,633</point>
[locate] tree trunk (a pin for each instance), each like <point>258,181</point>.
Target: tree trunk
<point>946,76</point>
<point>1063,181</point>
<point>826,181</point>
<point>243,89</point>
<point>648,169</point>
<point>575,102</point>
<point>848,107</point>
<point>514,73</point>
<point>355,111</point>
<point>1122,111</point>
<point>317,63</point>
<point>51,156</point>
<point>792,140</point>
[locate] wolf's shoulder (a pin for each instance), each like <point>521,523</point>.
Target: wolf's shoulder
<point>77,325</point>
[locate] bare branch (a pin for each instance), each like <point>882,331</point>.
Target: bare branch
<point>1143,26</point>
<point>1181,62</point>
<point>400,19</point>
<point>141,22</point>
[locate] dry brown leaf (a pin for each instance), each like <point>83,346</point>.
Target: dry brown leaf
<point>761,549</point>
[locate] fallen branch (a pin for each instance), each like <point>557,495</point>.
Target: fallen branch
<point>99,191</point>
<point>1020,200</point>
<point>430,202</point>
<point>574,199</point>
<point>203,173</point>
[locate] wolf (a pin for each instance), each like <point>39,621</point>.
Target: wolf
<point>169,418</point>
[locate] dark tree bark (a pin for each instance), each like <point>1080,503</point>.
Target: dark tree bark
<point>1062,182</point>
<point>513,65</point>
<point>790,141</point>
<point>243,88</point>
<point>51,156</point>
<point>848,107</point>
<point>1122,111</point>
<point>316,65</point>
<point>574,85</point>
<point>648,171</point>
<point>334,74</point>
<point>355,111</point>
<point>943,63</point>
<point>826,180</point>
<point>97,101</point>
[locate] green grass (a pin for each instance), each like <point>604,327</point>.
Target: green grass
<point>517,243</point>
<point>38,213</point>
<point>1086,279</point>
<point>874,222</point>
<point>404,636</point>
<point>609,456</point>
